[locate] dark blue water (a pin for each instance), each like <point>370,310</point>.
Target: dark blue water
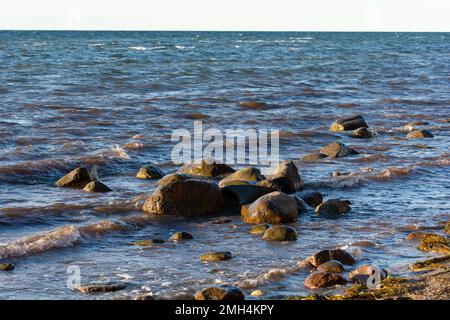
<point>112,100</point>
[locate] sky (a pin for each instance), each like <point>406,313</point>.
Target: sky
<point>223,15</point>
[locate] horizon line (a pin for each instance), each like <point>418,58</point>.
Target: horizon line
<point>205,30</point>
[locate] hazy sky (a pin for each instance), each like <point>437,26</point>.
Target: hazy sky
<point>301,15</point>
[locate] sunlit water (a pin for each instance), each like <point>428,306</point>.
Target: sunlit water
<point>113,99</point>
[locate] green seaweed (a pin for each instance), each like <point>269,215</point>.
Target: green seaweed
<point>429,264</point>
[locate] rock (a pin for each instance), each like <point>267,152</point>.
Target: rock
<point>246,174</point>
<point>333,207</point>
<point>6,267</point>
<point>434,243</point>
<point>275,207</point>
<point>257,293</point>
<point>313,199</point>
<point>178,236</point>
<point>286,176</point>
<point>220,293</point>
<point>216,256</point>
<point>259,229</point>
<point>332,266</point>
<point>268,184</point>
<point>96,186</point>
<point>222,221</point>
<point>206,168</point>
<point>77,178</point>
<point>320,279</point>
<point>235,183</point>
<point>447,227</point>
<point>411,125</point>
<point>150,172</point>
<point>253,105</point>
<point>362,133</point>
<point>338,150</point>
<point>95,288</point>
<point>190,198</point>
<point>417,235</point>
<point>243,194</point>
<point>419,134</point>
<point>362,273</point>
<point>314,156</point>
<point>302,206</point>
<point>349,123</point>
<point>150,242</point>
<point>280,233</point>
<point>174,177</point>
<point>327,255</point>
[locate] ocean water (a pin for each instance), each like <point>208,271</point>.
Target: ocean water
<point>110,101</point>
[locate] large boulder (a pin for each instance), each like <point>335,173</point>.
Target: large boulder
<point>313,198</point>
<point>419,134</point>
<point>246,193</point>
<point>150,172</point>
<point>220,293</point>
<point>333,266</point>
<point>338,150</point>
<point>321,279</point>
<point>286,176</point>
<point>77,178</point>
<point>349,123</point>
<point>246,174</point>
<point>174,177</point>
<point>327,255</point>
<point>189,198</point>
<point>275,207</point>
<point>280,233</point>
<point>210,169</point>
<point>333,207</point>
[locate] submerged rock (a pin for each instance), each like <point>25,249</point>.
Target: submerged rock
<point>96,186</point>
<point>333,207</point>
<point>286,176</point>
<point>259,229</point>
<point>327,255</point>
<point>362,133</point>
<point>313,199</point>
<point>338,150</point>
<point>275,207</point>
<point>150,242</point>
<point>320,279</point>
<point>349,123</point>
<point>220,293</point>
<point>244,194</point>
<point>246,174</point>
<point>302,206</point>
<point>419,134</point>
<point>95,288</point>
<point>77,178</point>
<point>6,267</point>
<point>314,156</point>
<point>190,198</point>
<point>150,172</point>
<point>178,236</point>
<point>254,105</point>
<point>280,233</point>
<point>332,266</point>
<point>362,274</point>
<point>210,169</point>
<point>216,256</point>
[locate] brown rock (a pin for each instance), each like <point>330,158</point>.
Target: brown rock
<point>95,288</point>
<point>268,184</point>
<point>6,267</point>
<point>178,236</point>
<point>254,105</point>
<point>246,174</point>
<point>338,150</point>
<point>96,186</point>
<point>259,229</point>
<point>275,207</point>
<point>332,266</point>
<point>220,293</point>
<point>349,123</point>
<point>77,178</point>
<point>362,133</point>
<point>280,233</point>
<point>314,156</point>
<point>327,255</point>
<point>174,177</point>
<point>320,279</point>
<point>286,176</point>
<point>206,168</point>
<point>216,256</point>
<point>244,194</point>
<point>333,207</point>
<point>419,134</point>
<point>313,199</point>
<point>150,172</point>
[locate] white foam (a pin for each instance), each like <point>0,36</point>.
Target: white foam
<point>138,48</point>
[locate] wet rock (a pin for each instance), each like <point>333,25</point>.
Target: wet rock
<point>96,186</point>
<point>338,150</point>
<point>286,176</point>
<point>333,207</point>
<point>419,134</point>
<point>412,125</point>
<point>216,256</point>
<point>150,242</point>
<point>417,235</point>
<point>254,105</point>
<point>302,206</point>
<point>434,243</point>
<point>257,293</point>
<point>178,236</point>
<point>244,194</point>
<point>246,174</point>
<point>150,172</point>
<point>206,168</point>
<point>313,199</point>
<point>220,293</point>
<point>190,198</point>
<point>314,156</point>
<point>349,123</point>
<point>327,255</point>
<point>6,267</point>
<point>320,279</point>
<point>332,266</point>
<point>260,229</point>
<point>362,133</point>
<point>96,288</point>
<point>222,221</point>
<point>77,178</point>
<point>275,207</point>
<point>362,274</point>
<point>280,233</point>
<point>174,177</point>
<point>364,243</point>
<point>268,184</point>
<point>447,227</point>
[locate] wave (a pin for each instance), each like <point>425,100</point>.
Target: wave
<point>138,48</point>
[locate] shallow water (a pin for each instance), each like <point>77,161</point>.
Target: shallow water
<point>112,99</point>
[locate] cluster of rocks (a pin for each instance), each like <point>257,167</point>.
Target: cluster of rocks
<point>80,178</point>
<point>176,237</point>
